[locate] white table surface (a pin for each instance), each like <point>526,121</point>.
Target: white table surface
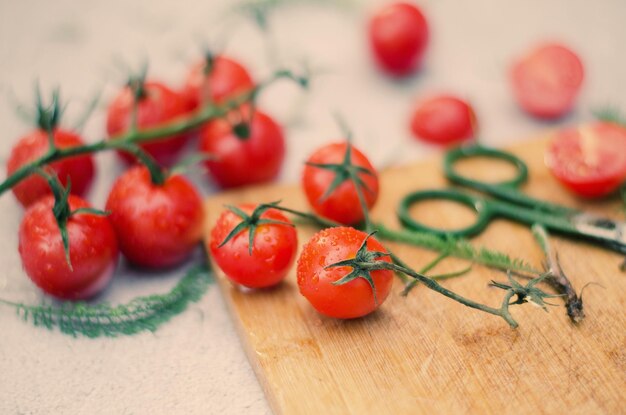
<point>195,363</point>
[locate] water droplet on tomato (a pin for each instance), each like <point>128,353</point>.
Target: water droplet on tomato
<point>322,261</point>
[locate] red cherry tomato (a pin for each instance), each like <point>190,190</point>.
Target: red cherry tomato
<point>546,81</point>
<point>157,226</point>
<point>242,161</point>
<point>273,251</point>
<point>398,35</point>
<point>443,119</point>
<point>93,250</point>
<point>160,105</point>
<point>315,281</point>
<point>79,169</point>
<point>590,160</point>
<point>341,205</point>
<point>225,80</point>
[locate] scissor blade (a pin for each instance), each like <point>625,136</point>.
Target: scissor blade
<point>603,229</point>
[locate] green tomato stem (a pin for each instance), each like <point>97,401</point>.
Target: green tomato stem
<point>122,141</point>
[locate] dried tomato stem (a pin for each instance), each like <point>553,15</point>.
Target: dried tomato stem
<point>557,278</point>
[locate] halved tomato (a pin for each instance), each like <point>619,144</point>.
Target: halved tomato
<point>589,160</point>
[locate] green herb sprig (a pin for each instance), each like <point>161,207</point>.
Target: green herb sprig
<point>146,313</point>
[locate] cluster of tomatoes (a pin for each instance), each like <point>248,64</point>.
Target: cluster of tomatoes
<point>156,224</point>
<point>256,246</point>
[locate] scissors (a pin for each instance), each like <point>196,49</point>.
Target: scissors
<point>509,202</point>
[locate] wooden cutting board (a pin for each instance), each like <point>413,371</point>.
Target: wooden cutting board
<point>427,354</point>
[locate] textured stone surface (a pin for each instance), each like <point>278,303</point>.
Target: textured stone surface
<point>195,364</point>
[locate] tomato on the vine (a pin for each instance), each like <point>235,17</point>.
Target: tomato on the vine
<point>216,79</point>
<point>93,250</point>
<point>329,186</point>
<point>157,225</point>
<point>273,251</point>
<point>79,169</point>
<point>547,80</point>
<point>589,160</point>
<point>238,161</point>
<point>157,105</point>
<point>317,281</point>
<point>443,119</point>
<point>398,35</point>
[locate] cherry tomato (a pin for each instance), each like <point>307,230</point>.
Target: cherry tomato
<point>546,81</point>
<point>79,169</point>
<point>315,281</point>
<point>157,225</point>
<point>589,160</point>
<point>398,35</point>
<point>93,250</point>
<point>273,250</point>
<point>225,80</point>
<point>342,204</point>
<point>443,119</point>
<point>158,106</point>
<point>242,161</point>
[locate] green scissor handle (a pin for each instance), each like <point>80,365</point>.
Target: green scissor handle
<point>478,205</point>
<point>506,190</point>
<point>486,210</point>
<point>460,153</point>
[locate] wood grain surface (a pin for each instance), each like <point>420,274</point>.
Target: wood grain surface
<point>425,353</point>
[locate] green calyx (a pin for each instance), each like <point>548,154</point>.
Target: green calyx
<point>62,211</point>
<point>242,130</point>
<point>344,171</point>
<point>362,264</point>
<point>526,293</point>
<point>610,114</point>
<point>347,171</point>
<point>137,83</point>
<point>48,117</point>
<point>251,222</point>
<point>209,62</point>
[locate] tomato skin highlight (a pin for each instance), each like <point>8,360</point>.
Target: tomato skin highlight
<point>591,160</point>
<point>546,81</point>
<point>342,205</point>
<point>243,161</point>
<point>227,79</point>
<point>273,253</point>
<point>79,169</point>
<point>353,299</point>
<point>443,119</point>
<point>93,250</point>
<point>398,37</point>
<point>159,106</point>
<point>157,226</point>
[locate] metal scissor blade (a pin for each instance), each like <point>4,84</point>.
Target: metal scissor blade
<point>612,233</point>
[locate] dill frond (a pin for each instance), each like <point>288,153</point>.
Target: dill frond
<point>146,313</point>
<point>459,248</point>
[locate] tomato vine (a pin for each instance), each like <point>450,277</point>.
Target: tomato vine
<point>135,136</point>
